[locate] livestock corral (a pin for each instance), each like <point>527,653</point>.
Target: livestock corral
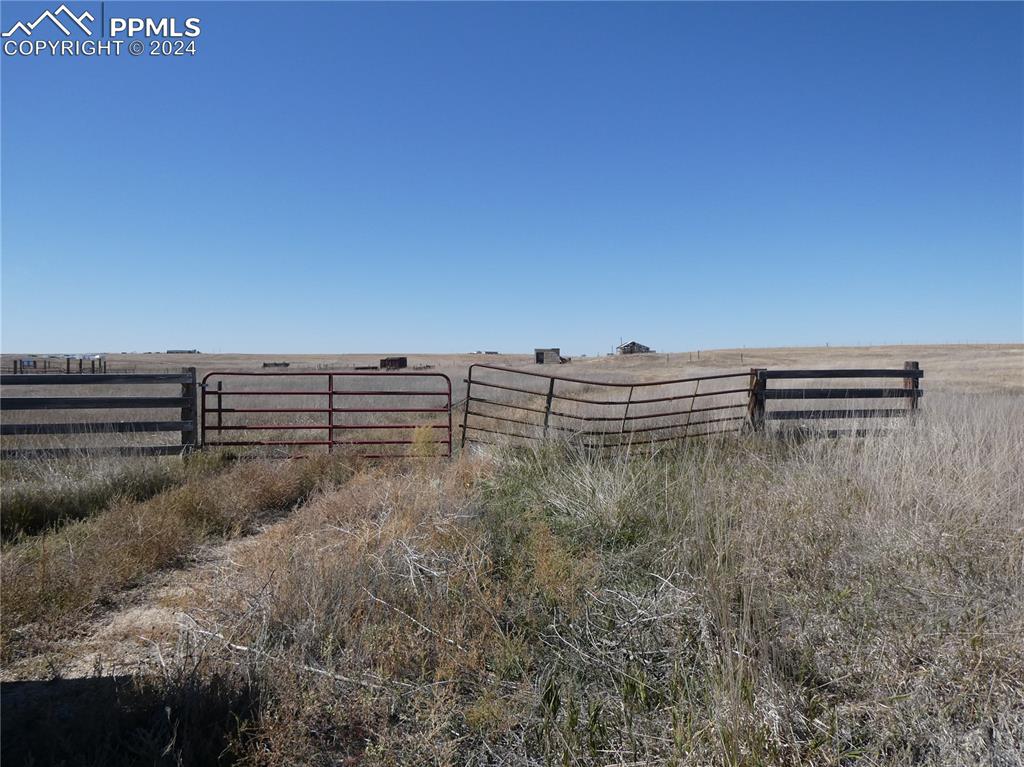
<point>736,557</point>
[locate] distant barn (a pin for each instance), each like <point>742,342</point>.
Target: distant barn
<point>183,351</point>
<point>634,347</point>
<point>394,363</point>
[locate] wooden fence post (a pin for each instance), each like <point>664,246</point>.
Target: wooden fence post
<point>755,407</point>
<point>912,384</point>
<point>189,412</point>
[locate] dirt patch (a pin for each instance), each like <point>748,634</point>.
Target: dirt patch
<point>140,631</point>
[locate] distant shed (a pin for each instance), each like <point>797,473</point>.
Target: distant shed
<point>547,356</point>
<point>394,363</point>
<point>634,347</point>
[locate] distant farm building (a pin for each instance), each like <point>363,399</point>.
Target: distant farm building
<point>549,356</point>
<point>546,356</point>
<point>394,363</point>
<point>634,347</point>
<point>183,351</point>
<point>276,364</point>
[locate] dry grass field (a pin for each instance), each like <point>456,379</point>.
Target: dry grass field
<point>741,600</point>
<point>961,368</point>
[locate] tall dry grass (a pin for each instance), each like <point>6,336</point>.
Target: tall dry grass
<point>42,494</point>
<point>727,602</point>
<point>52,580</point>
<point>738,601</point>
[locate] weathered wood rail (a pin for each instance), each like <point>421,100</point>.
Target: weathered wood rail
<point>761,393</point>
<point>185,423</point>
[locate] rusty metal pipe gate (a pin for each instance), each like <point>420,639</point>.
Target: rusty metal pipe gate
<point>503,404</point>
<point>414,399</point>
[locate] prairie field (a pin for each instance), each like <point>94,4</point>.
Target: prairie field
<point>744,599</point>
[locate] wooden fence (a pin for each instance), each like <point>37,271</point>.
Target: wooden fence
<point>184,404</point>
<point>761,393</point>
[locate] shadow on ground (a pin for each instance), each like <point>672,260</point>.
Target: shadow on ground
<point>120,720</point>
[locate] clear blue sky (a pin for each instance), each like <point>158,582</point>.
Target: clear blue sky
<point>327,177</point>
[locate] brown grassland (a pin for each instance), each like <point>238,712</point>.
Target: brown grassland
<point>740,600</point>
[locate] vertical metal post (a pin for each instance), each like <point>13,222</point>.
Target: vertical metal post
<point>450,417</point>
<point>465,413</point>
<point>201,395</point>
<point>92,365</point>
<point>189,412</point>
<point>220,408</point>
<point>912,384</point>
<point>80,370</point>
<point>689,413</point>
<point>67,361</point>
<point>625,413</point>
<point>330,413</point>
<point>547,407</point>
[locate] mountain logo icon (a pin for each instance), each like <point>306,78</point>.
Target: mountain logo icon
<point>63,18</point>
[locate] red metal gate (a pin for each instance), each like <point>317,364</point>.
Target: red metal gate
<point>380,415</point>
